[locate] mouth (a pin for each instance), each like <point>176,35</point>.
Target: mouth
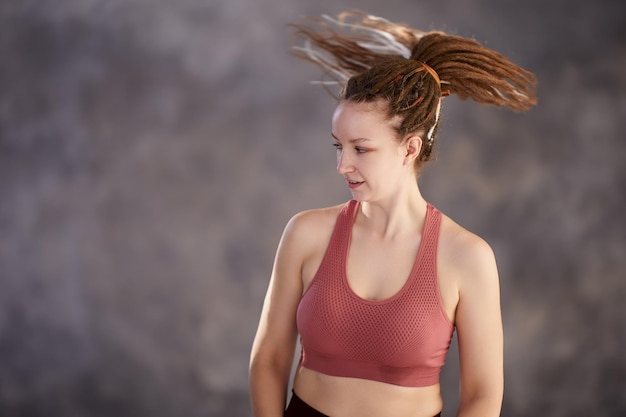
<point>354,184</point>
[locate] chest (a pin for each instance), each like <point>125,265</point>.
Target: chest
<point>378,269</point>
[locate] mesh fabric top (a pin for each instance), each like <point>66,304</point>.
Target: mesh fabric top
<point>402,340</point>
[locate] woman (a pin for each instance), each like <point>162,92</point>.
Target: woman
<point>375,287</point>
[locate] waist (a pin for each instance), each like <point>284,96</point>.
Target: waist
<point>352,397</point>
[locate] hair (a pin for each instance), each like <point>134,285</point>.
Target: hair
<point>409,71</point>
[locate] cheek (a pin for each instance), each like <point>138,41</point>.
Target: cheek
<point>395,159</point>
<point>388,166</point>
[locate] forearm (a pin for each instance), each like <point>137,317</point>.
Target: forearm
<point>268,389</point>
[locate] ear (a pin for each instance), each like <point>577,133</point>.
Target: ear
<point>412,147</point>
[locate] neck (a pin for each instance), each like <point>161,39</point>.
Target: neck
<point>400,214</point>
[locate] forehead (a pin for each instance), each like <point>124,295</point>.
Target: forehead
<point>360,120</point>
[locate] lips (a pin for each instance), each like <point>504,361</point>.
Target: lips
<point>353,184</point>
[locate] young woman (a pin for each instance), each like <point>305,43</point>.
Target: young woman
<point>375,287</point>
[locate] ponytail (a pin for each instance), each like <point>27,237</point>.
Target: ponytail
<point>373,59</point>
<point>468,69</point>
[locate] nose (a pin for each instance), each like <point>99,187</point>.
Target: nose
<point>344,165</point>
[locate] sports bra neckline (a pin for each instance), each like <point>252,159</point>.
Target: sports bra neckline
<point>353,211</point>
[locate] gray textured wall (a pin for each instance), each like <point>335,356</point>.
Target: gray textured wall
<point>152,151</point>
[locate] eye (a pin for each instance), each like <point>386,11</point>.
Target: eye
<point>360,150</point>
<point>337,146</point>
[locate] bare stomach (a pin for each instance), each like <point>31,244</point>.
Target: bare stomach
<point>352,397</point>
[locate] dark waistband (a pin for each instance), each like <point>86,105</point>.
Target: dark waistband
<point>298,408</point>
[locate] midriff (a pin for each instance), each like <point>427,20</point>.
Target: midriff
<point>352,397</point>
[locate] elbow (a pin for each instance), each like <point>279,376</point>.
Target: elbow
<point>483,403</point>
<point>277,365</point>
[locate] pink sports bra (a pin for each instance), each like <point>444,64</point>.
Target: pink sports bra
<point>402,340</point>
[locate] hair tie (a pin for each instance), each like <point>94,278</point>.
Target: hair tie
<point>431,71</point>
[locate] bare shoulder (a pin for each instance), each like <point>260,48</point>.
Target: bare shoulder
<point>307,236</point>
<point>313,222</point>
<point>465,255</point>
<point>310,228</point>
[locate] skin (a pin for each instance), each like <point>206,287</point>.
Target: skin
<point>379,169</point>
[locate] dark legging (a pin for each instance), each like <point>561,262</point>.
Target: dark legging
<point>298,408</point>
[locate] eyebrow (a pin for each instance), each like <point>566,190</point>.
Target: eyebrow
<point>355,140</point>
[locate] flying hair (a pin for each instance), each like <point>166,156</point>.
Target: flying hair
<point>373,59</point>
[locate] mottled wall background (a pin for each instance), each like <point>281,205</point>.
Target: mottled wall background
<point>152,151</point>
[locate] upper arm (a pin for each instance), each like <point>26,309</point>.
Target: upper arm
<point>277,333</point>
<point>479,324</point>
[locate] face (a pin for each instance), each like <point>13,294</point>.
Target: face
<point>374,163</point>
